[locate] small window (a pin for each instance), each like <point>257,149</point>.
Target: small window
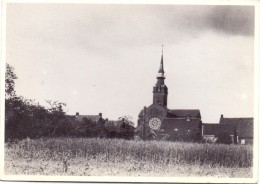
<point>243,141</point>
<point>188,118</point>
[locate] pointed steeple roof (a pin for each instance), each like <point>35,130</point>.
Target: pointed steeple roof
<point>161,70</point>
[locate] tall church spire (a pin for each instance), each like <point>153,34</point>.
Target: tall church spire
<point>160,90</point>
<point>161,70</point>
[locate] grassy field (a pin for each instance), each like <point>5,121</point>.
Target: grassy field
<point>111,157</point>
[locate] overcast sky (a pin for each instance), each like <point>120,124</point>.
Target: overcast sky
<point>104,58</point>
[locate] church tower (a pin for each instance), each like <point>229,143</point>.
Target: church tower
<point>160,90</point>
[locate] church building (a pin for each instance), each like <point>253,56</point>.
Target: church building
<point>159,122</point>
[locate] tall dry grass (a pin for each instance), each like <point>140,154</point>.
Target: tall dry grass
<point>113,150</point>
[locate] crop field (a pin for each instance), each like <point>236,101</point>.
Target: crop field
<point>114,157</point>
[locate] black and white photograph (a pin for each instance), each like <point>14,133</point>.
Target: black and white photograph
<point>129,90</point>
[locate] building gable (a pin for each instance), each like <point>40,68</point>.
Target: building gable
<point>215,129</point>
<point>86,118</point>
<point>184,113</point>
<point>180,124</point>
<point>244,126</point>
<point>82,118</point>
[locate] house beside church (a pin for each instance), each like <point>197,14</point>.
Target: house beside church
<point>244,128</point>
<point>91,118</point>
<point>240,130</point>
<point>210,131</point>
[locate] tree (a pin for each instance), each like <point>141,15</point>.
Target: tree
<point>10,77</point>
<point>26,118</point>
<point>126,129</point>
<point>127,119</point>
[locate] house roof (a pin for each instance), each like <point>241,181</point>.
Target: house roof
<point>93,118</point>
<point>236,120</point>
<point>112,123</point>
<point>244,126</point>
<point>116,123</point>
<point>172,123</point>
<point>180,112</point>
<point>185,112</point>
<point>214,129</point>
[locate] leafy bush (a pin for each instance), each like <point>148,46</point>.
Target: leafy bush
<point>25,118</point>
<point>119,129</point>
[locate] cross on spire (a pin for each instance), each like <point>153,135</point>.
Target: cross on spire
<point>162,49</point>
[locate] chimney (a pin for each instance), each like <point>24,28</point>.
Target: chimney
<point>77,113</point>
<point>222,116</point>
<point>100,115</point>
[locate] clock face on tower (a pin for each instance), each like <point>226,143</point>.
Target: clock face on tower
<point>154,123</point>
